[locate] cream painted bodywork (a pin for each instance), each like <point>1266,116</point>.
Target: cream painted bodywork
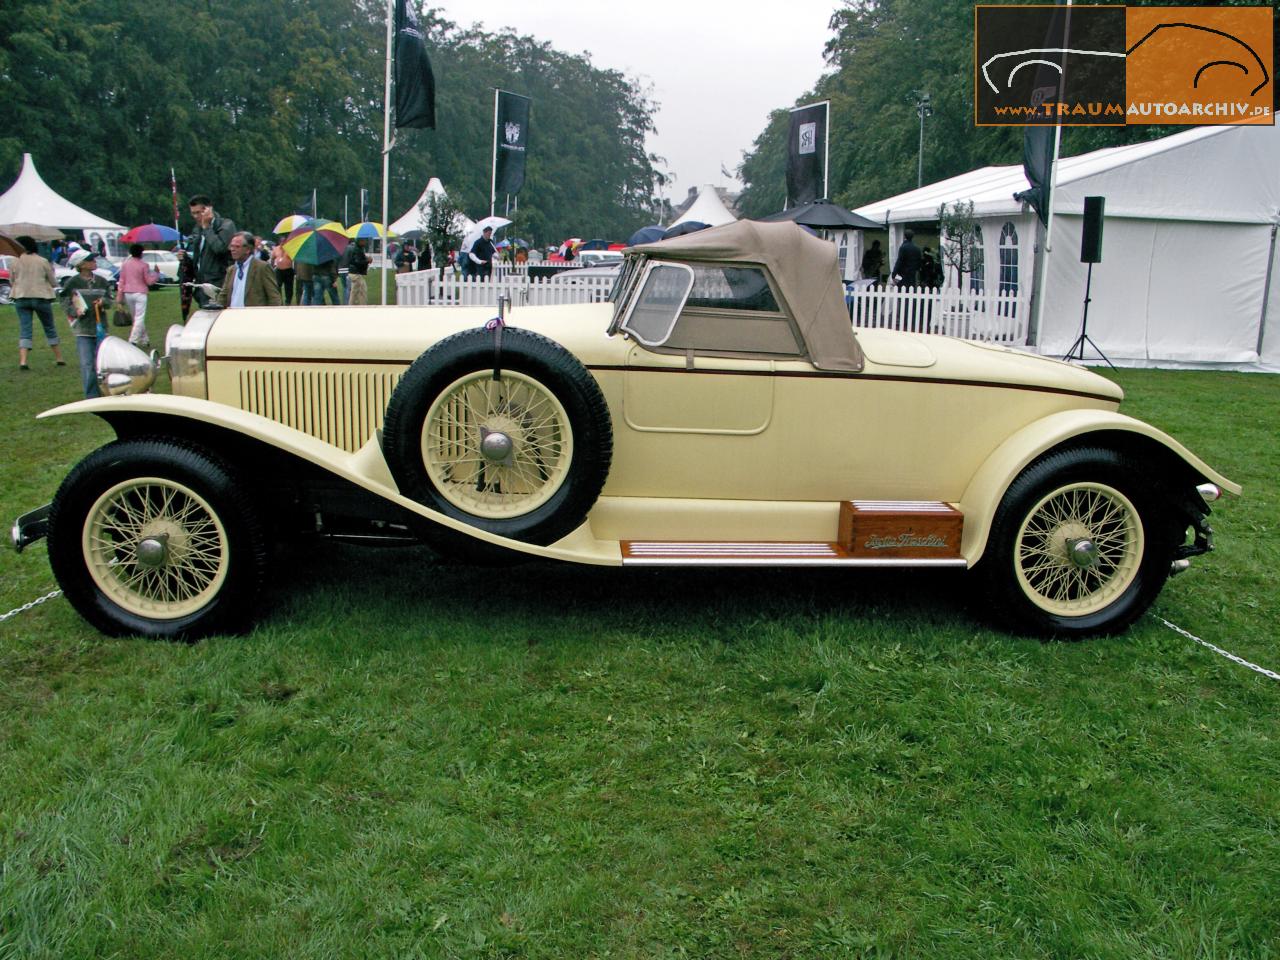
<point>705,448</point>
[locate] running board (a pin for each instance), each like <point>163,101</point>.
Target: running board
<point>693,553</point>
<point>871,533</point>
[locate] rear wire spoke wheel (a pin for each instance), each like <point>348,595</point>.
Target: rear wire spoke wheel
<point>1081,545</point>
<point>157,537</point>
<point>497,448</point>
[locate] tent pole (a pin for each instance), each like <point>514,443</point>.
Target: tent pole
<point>1266,292</point>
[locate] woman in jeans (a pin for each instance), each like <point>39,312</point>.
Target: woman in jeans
<point>136,280</point>
<point>32,279</point>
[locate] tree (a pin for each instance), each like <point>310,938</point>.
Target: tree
<point>956,229</point>
<point>439,217</point>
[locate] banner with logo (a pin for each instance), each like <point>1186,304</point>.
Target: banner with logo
<point>415,83</point>
<point>511,140</point>
<point>807,153</point>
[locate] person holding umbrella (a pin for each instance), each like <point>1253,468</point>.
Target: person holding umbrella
<point>480,257</point>
<point>87,298</point>
<point>250,282</point>
<point>136,280</point>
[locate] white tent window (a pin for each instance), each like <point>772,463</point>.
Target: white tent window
<point>978,275</point>
<point>1008,258</point>
<point>843,253</point>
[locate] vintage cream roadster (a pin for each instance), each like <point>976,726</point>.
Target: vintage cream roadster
<point>719,410</point>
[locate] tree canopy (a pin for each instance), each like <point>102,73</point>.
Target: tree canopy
<point>260,102</point>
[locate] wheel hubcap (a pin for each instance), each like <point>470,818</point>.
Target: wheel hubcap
<point>496,447</point>
<point>153,551</point>
<point>1082,553</point>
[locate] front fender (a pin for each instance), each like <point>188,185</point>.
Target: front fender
<point>987,487</point>
<point>365,468</point>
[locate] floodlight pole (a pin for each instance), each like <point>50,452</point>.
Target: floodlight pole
<point>924,109</point>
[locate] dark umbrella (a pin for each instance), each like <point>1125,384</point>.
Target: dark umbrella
<point>646,235</point>
<point>680,229</point>
<point>824,215</point>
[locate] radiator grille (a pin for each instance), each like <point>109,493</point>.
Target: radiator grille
<point>339,407</point>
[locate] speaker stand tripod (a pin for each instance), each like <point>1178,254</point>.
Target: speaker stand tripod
<point>1078,346</point>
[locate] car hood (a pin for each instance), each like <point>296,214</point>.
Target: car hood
<point>374,333</point>
<point>325,334</point>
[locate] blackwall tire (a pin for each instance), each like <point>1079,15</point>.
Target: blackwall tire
<point>155,538</point>
<point>1081,545</point>
<point>524,456</point>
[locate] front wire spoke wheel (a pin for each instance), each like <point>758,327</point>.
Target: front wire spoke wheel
<point>497,448</point>
<point>1079,548</point>
<point>155,547</point>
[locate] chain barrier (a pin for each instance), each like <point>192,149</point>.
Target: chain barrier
<point>27,606</point>
<point>1218,650</point>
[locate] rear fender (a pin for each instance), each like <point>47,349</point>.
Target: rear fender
<point>366,468</point>
<point>987,487</point>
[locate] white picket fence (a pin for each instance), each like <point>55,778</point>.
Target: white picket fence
<point>989,315</point>
<point>427,288</point>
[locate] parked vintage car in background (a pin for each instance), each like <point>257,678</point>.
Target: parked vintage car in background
<point>164,262</point>
<point>718,411</point>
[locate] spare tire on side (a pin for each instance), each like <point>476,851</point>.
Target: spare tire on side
<point>511,435</point>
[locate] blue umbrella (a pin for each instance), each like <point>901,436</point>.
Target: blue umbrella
<point>646,235</point>
<point>680,229</point>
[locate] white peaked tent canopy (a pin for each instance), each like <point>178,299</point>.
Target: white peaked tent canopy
<point>1190,271</point>
<point>708,209</point>
<point>412,219</point>
<point>32,207</point>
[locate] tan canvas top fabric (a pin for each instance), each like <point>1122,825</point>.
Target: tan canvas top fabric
<point>805,268</point>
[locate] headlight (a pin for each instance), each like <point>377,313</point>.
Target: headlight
<point>184,349</point>
<point>123,368</point>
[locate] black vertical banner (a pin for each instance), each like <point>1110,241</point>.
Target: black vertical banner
<point>1038,141</point>
<point>415,83</point>
<point>807,153</point>
<point>511,126</point>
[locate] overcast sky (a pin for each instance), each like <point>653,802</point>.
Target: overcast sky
<point>717,67</point>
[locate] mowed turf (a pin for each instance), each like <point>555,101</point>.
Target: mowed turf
<point>408,759</point>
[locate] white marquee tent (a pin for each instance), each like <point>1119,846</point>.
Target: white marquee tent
<point>33,208</point>
<point>412,219</point>
<point>708,208</point>
<point>1190,273</point>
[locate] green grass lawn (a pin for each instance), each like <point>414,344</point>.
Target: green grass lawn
<point>409,759</point>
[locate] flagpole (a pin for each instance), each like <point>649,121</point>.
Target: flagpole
<point>386,149</point>
<point>493,167</point>
<point>826,157</point>
<point>173,182</point>
<point>1042,262</point>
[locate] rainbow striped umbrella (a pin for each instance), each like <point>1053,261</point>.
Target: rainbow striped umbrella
<point>295,221</point>
<point>319,242</point>
<point>368,230</point>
